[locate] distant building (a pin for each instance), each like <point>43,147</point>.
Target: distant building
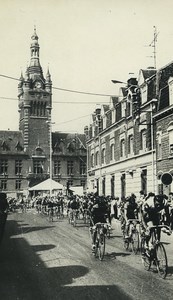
<point>25,154</point>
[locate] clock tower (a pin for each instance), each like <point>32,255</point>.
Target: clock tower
<point>35,105</point>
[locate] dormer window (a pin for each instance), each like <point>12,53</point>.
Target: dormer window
<point>38,151</point>
<point>144,91</point>
<point>123,109</point>
<point>170,83</point>
<point>19,146</point>
<point>71,146</point>
<point>57,148</point>
<point>4,146</point>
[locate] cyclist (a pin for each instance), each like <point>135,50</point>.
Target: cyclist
<point>98,214</point>
<point>74,206</point>
<point>171,209</point>
<point>151,214</point>
<point>84,206</point>
<point>130,212</point>
<point>50,206</point>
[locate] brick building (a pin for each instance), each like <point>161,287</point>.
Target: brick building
<point>130,141</point>
<point>25,154</point>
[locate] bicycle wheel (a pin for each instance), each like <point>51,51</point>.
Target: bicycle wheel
<point>50,216</point>
<point>135,241</point>
<point>101,246</point>
<point>161,260</point>
<point>125,243</point>
<point>144,256</point>
<point>97,248</point>
<point>74,220</point>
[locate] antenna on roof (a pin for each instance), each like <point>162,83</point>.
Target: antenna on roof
<point>153,44</point>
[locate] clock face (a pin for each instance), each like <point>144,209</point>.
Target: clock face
<point>38,85</point>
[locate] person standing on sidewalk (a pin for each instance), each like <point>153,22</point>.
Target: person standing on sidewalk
<point>3,213</point>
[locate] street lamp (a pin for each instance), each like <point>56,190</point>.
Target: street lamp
<point>50,153</point>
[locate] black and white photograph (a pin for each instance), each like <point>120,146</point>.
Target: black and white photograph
<point>86,150</point>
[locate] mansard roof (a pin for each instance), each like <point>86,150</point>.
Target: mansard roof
<point>66,141</point>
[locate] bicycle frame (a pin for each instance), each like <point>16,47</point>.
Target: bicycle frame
<point>100,240</point>
<point>133,236</point>
<point>156,256</point>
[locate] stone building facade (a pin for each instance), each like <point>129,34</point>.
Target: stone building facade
<point>25,154</point>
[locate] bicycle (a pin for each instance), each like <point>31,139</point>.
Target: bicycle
<point>59,213</point>
<point>133,238</point>
<point>50,214</point>
<point>85,215</point>
<point>101,229</point>
<point>74,216</point>
<point>156,256</point>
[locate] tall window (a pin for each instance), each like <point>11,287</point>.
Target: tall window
<point>97,158</point>
<point>4,184</point>
<point>18,167</point>
<point>82,168</point>
<point>112,151</point>
<point>92,160</point>
<point>57,167</point>
<point>3,166</point>
<point>113,186</point>
<point>130,144</point>
<point>122,148</point>
<point>70,167</point>
<point>103,156</point>
<point>144,180</point>
<point>38,166</point>
<point>143,140</point>
<point>82,183</point>
<point>170,132</point>
<point>159,145</point>
<point>18,184</point>
<point>123,185</point>
<point>103,185</point>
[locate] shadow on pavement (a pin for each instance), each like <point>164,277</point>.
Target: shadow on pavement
<point>24,276</point>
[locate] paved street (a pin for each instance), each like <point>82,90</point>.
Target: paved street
<point>42,260</point>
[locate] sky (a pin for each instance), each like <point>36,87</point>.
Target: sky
<point>86,44</point>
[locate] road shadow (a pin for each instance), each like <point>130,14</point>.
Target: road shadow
<point>38,248</point>
<point>26,229</point>
<point>25,276</point>
<point>170,270</point>
<point>113,255</point>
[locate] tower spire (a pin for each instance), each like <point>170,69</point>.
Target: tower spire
<point>35,69</point>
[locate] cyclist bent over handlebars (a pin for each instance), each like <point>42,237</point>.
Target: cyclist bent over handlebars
<point>98,214</point>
